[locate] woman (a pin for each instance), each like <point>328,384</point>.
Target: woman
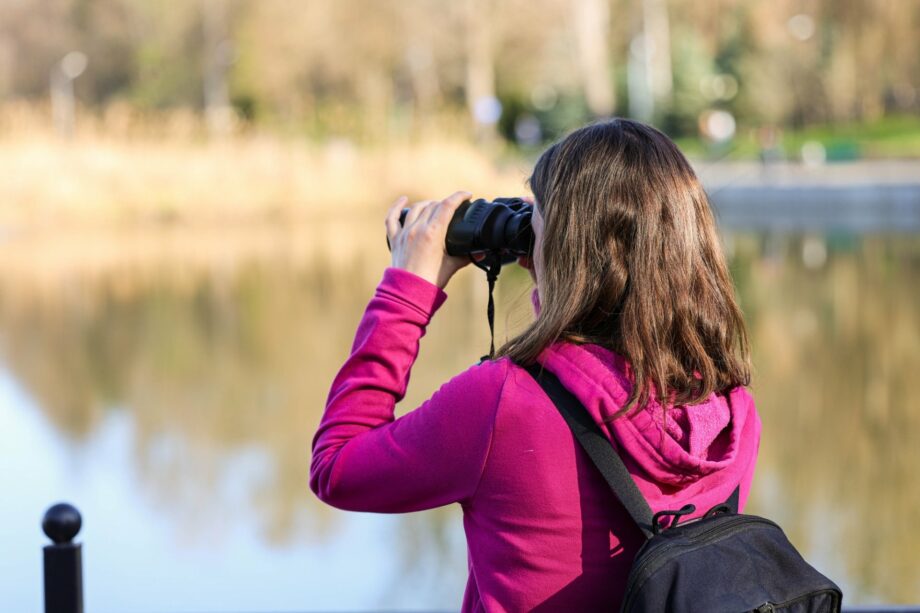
<point>636,316</point>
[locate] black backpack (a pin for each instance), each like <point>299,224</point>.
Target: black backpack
<point>723,562</point>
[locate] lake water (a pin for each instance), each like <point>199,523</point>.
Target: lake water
<point>173,400</point>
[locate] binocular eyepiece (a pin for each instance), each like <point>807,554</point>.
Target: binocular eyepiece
<point>501,226</point>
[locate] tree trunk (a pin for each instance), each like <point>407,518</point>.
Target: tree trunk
<point>658,49</point>
<point>480,72</point>
<point>218,56</point>
<point>592,30</point>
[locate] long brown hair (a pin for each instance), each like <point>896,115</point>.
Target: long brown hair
<point>631,261</point>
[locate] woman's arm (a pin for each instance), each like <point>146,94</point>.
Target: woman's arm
<point>363,459</point>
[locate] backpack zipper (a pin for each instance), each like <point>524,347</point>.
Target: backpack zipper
<point>646,567</point>
<point>770,607</point>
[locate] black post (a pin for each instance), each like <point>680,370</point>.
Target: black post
<point>63,560</point>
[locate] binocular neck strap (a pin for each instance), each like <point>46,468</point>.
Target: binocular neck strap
<point>492,264</point>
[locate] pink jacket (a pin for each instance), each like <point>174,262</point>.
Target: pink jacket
<point>543,529</point>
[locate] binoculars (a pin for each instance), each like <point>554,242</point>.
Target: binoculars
<point>500,226</point>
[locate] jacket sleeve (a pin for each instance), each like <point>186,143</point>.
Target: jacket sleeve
<point>363,458</point>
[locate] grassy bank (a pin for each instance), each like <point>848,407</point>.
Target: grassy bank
<point>122,167</point>
<point>128,193</point>
<point>896,137</point>
<point>44,181</point>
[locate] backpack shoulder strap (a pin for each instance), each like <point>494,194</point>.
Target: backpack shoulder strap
<point>734,499</point>
<point>597,446</point>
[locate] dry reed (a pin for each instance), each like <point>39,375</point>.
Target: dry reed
<point>132,188</point>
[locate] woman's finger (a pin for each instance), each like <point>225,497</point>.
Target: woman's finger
<point>430,211</point>
<point>392,219</point>
<point>449,205</point>
<point>416,211</point>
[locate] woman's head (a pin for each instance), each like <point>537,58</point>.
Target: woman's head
<point>630,259</point>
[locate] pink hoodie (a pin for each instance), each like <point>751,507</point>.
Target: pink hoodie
<point>543,529</point>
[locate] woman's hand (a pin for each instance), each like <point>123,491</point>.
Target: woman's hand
<point>419,245</point>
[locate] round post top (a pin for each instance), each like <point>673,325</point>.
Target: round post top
<point>62,523</point>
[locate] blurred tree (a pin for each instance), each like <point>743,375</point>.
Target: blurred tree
<point>480,70</point>
<point>656,52</point>
<point>379,70</point>
<point>591,21</point>
<point>218,57</point>
<point>167,54</point>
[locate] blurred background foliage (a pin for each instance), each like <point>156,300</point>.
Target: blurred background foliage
<point>376,72</point>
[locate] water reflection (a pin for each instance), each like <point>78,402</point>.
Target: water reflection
<point>836,349</point>
<point>223,376</point>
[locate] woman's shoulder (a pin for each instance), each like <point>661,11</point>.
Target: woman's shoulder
<point>502,371</point>
<point>490,383</point>
<point>486,374</point>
